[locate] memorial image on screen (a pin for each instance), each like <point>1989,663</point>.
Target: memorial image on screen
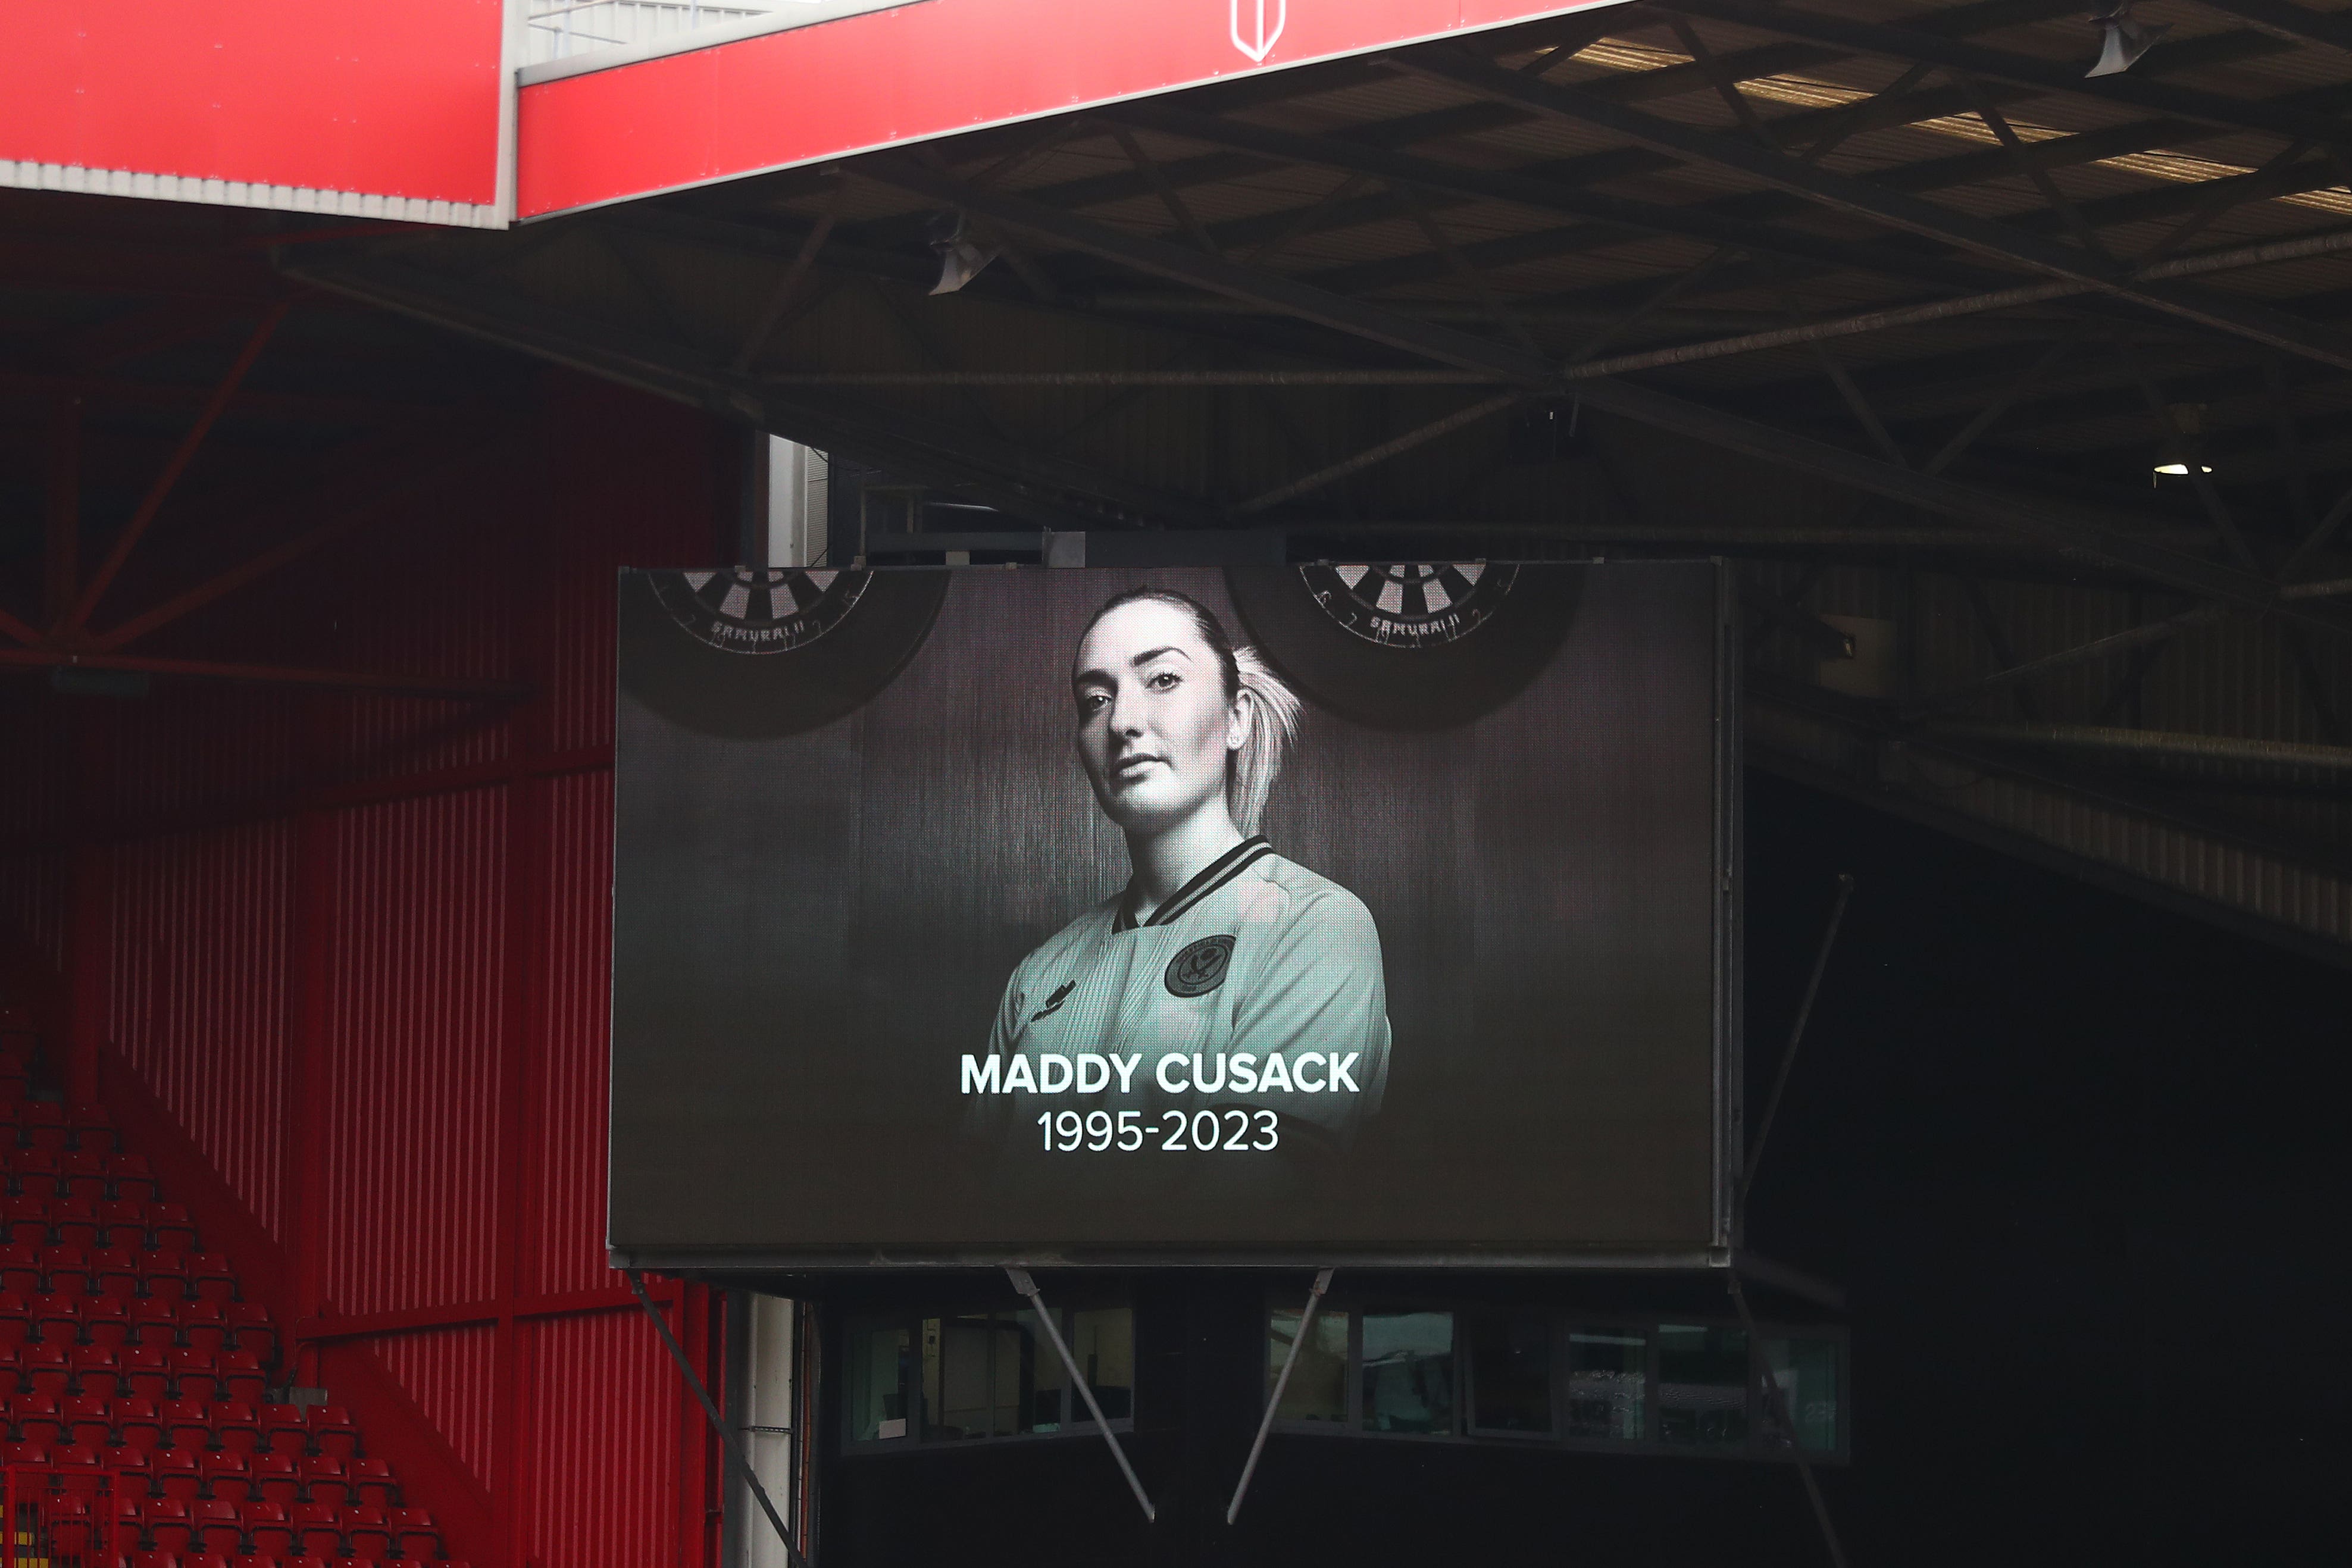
<point>1281,913</point>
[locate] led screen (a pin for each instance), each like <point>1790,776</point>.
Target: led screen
<point>1322,913</point>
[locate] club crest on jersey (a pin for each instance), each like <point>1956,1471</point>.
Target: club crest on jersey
<point>1201,967</point>
<point>1054,1003</point>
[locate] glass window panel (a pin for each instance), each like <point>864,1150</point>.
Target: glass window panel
<point>880,1355</point>
<point>1408,1372</point>
<point>959,1370</point>
<point>1807,1373</point>
<point>1102,1342</point>
<point>1608,1384</point>
<point>1701,1386</point>
<point>1511,1371</point>
<point>1317,1389</point>
<point>1047,1380</point>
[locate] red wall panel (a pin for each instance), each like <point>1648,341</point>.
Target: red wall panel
<point>418,1002</point>
<point>603,1412</point>
<point>567,1241</point>
<point>197,1001</point>
<point>449,1373</point>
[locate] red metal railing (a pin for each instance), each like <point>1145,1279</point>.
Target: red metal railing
<point>68,1517</point>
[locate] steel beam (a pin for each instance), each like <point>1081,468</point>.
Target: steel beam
<point>2243,318</point>
<point>2288,20</point>
<point>2138,91</point>
<point>2078,533</point>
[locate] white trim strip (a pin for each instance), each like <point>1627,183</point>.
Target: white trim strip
<point>31,176</point>
<point>803,14</point>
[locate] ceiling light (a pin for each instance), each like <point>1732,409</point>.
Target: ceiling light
<point>2180,470</point>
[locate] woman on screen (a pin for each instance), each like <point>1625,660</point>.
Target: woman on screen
<point>1232,978</point>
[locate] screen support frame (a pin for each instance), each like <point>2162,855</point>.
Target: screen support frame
<point>1281,1382</point>
<point>1027,1288</point>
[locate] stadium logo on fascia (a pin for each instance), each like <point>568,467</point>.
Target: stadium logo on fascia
<point>1258,25</point>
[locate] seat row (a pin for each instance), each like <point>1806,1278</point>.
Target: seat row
<point>47,1124</point>
<point>227,1476</point>
<point>134,1224</point>
<point>73,1270</point>
<point>244,1560</point>
<point>139,1371</point>
<point>196,1323</point>
<point>228,1528</point>
<point>35,1421</point>
<point>90,1174</point>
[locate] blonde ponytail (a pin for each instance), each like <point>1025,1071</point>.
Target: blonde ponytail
<point>1272,709</point>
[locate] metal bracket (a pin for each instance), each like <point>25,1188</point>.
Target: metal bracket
<point>1027,1288</point>
<point>1778,1404</point>
<point>718,1424</point>
<point>1281,1382</point>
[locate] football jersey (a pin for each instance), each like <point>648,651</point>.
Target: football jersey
<point>1263,978</point>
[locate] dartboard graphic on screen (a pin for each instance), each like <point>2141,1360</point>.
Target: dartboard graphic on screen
<point>757,609</point>
<point>1410,605</point>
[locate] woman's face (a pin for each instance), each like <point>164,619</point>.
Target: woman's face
<point>1154,725</point>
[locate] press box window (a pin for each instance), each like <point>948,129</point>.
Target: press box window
<point>952,1378</point>
<point>1701,1386</point>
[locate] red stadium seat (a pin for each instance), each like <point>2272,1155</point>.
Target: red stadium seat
<point>208,1559</point>
<point>154,1322</point>
<point>306,1563</point>
<point>218,1527</point>
<point>89,1421</point>
<point>154,1560</point>
<point>124,1220</point>
<point>367,1534</point>
<point>49,1369</point>
<point>177,1472</point>
<point>146,1372</point>
<point>171,1228</point>
<point>319,1530</point>
<point>97,1371</point>
<point>418,1536</point>
<point>36,1419</point>
<point>267,1526</point>
<point>170,1524</point>
<point>235,1426</point>
<point>22,1454</point>
<point>203,1326</point>
<point>73,1222</point>
<point>28,1222</point>
<point>257,1560</point>
<point>211,1276</point>
<point>133,1182</point>
<point>42,1125</point>
<point>276,1480</point>
<point>195,1375</point>
<point>116,1271</point>
<point>33,1172</point>
<point>325,1480</point>
<point>250,1329</point>
<point>137,1424</point>
<point>82,1174</point>
<point>373,1479</point>
<point>331,1431</point>
<point>130,1464</point>
<point>284,1429</point>
<point>20,1270</point>
<point>69,1523</point>
<point>67,1269</point>
<point>15,1319</point>
<point>56,1319</point>
<point>228,1475</point>
<point>106,1320</point>
<point>12,1371</point>
<point>92,1128</point>
<point>164,1276</point>
<point>242,1377</point>
<point>80,1468</point>
<point>188,1424</point>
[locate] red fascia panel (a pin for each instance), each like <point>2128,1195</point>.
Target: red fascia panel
<point>399,101</point>
<point>932,68</point>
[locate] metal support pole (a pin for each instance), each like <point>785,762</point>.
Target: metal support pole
<point>1027,1288</point>
<point>717,1422</point>
<point>1281,1382</point>
<point>1796,1037</point>
<point>1779,1407</point>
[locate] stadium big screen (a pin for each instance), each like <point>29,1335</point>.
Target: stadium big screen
<point>1333,912</point>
